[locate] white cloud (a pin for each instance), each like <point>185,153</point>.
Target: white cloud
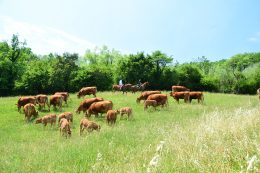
<point>255,38</point>
<point>43,39</point>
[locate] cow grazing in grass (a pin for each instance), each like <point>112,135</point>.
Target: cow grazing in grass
<point>65,128</point>
<point>56,100</point>
<point>22,101</point>
<point>176,88</point>
<point>126,110</point>
<point>66,115</point>
<point>161,99</point>
<point>180,95</point>
<point>145,94</point>
<point>84,105</point>
<point>148,103</point>
<point>41,100</point>
<point>111,116</point>
<point>258,92</point>
<point>196,95</point>
<point>50,118</point>
<point>30,111</point>
<point>88,125</point>
<point>99,107</point>
<point>87,91</point>
<point>65,96</point>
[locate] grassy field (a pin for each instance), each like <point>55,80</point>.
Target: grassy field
<point>222,135</point>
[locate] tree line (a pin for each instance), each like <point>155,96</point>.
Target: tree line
<point>23,72</point>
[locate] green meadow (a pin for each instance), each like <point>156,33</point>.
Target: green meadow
<point>220,135</point>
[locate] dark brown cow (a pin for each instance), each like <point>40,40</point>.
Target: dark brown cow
<point>145,94</point>
<point>50,118</point>
<point>22,101</point>
<point>56,100</point>
<point>88,125</point>
<point>126,87</point>
<point>99,107</point>
<point>64,127</point>
<point>135,88</point>
<point>42,99</point>
<point>176,88</point>
<point>180,95</point>
<point>196,95</point>
<point>161,99</point>
<point>111,116</point>
<point>87,91</point>
<point>64,94</point>
<point>84,105</point>
<point>67,115</point>
<point>29,111</point>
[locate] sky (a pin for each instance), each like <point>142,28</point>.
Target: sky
<point>183,29</point>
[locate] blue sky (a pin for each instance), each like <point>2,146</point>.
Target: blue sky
<point>184,29</point>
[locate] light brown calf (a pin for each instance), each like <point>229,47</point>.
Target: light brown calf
<point>66,115</point>
<point>65,128</point>
<point>50,118</point>
<point>111,116</point>
<point>29,111</point>
<point>152,103</point>
<point>88,125</point>
<point>126,110</point>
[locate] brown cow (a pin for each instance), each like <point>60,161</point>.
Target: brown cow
<point>145,94</point>
<point>88,125</point>
<point>161,99</point>
<point>99,107</point>
<point>87,91</point>
<point>196,95</point>
<point>67,115</point>
<point>111,116</point>
<point>176,88</point>
<point>152,103</point>
<point>65,96</point>
<point>126,110</point>
<point>65,127</point>
<point>181,95</point>
<point>84,105</point>
<point>56,100</point>
<point>50,118</point>
<point>22,101</point>
<point>42,99</point>
<point>29,111</point>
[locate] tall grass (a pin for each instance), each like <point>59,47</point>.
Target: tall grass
<point>221,135</point>
<point>221,141</point>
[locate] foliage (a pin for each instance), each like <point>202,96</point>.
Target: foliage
<point>22,72</point>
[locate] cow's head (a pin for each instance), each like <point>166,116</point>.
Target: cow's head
<point>39,120</point>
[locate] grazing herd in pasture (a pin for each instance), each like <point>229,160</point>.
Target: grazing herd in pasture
<point>97,105</point>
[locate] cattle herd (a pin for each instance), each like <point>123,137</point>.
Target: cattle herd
<point>96,106</point>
